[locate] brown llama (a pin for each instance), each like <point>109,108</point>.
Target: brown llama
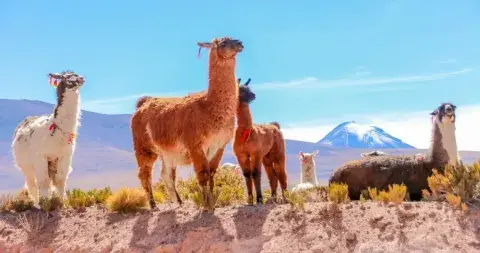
<point>189,130</point>
<point>255,145</point>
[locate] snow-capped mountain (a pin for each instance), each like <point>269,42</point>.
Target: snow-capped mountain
<point>353,135</point>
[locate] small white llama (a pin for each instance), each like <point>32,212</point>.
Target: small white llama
<point>43,146</point>
<point>308,176</point>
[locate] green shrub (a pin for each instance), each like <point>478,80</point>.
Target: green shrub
<point>77,198</point>
<point>19,203</point>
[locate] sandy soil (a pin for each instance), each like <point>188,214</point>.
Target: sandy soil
<point>353,227</point>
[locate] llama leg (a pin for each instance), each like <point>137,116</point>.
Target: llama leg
<point>63,169</point>
<point>30,182</point>
<point>200,164</point>
<point>272,178</point>
<point>244,162</point>
<point>213,165</point>
<point>256,165</point>
<point>168,174</point>
<point>41,173</point>
<point>282,177</point>
<point>145,161</point>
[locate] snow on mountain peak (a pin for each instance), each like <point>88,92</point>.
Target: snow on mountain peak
<point>354,135</point>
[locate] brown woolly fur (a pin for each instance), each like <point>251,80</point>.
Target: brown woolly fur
<point>192,129</point>
<point>255,145</point>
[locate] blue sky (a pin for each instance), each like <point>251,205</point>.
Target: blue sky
<point>310,63</point>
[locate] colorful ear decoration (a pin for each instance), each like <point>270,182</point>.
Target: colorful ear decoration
<point>53,82</point>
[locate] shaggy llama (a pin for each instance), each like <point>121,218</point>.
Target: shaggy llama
<point>413,171</point>
<point>43,146</point>
<point>308,174</point>
<point>255,145</point>
<point>189,130</point>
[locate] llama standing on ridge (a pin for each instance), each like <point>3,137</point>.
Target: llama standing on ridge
<point>308,176</point>
<point>43,146</point>
<point>192,129</point>
<point>413,171</point>
<point>256,144</point>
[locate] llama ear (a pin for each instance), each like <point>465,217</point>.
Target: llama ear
<point>315,153</point>
<point>248,81</point>
<point>300,155</point>
<point>434,112</point>
<point>205,44</point>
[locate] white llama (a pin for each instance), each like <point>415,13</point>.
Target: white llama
<point>43,146</point>
<point>308,176</point>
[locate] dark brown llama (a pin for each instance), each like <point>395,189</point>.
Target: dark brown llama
<point>192,129</point>
<point>255,145</point>
<point>413,170</point>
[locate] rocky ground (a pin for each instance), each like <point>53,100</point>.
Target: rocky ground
<point>370,227</point>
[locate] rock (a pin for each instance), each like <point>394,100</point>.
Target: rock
<point>350,236</point>
<point>391,204</point>
<point>407,206</point>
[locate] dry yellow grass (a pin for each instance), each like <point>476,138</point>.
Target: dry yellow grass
<point>127,200</point>
<point>338,193</point>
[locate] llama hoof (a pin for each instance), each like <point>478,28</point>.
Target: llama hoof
<point>209,203</point>
<point>250,201</point>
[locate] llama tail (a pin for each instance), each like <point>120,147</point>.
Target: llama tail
<point>275,124</point>
<point>142,101</point>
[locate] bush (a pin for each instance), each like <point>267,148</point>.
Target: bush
<point>395,193</point>
<point>5,201</point>
<point>76,198</point>
<point>100,196</point>
<point>338,193</point>
<point>127,200</point>
<point>229,188</point>
<point>53,203</point>
<point>457,184</point>
<point>19,203</point>
<point>296,199</point>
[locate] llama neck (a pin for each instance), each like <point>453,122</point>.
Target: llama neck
<point>222,86</point>
<point>67,111</point>
<point>244,117</point>
<point>308,173</point>
<point>443,145</point>
<point>449,141</point>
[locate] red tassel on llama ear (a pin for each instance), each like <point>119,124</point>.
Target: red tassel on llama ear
<point>53,82</point>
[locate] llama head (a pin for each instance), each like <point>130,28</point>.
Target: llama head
<point>245,95</point>
<point>224,48</point>
<point>66,81</point>
<point>307,157</point>
<point>445,114</point>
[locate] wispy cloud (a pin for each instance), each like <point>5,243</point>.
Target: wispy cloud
<point>312,82</point>
<point>411,127</point>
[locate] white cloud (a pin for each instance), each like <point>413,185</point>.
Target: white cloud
<point>312,82</point>
<point>411,127</point>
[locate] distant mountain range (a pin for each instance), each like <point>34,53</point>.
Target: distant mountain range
<point>353,135</point>
<point>104,154</point>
